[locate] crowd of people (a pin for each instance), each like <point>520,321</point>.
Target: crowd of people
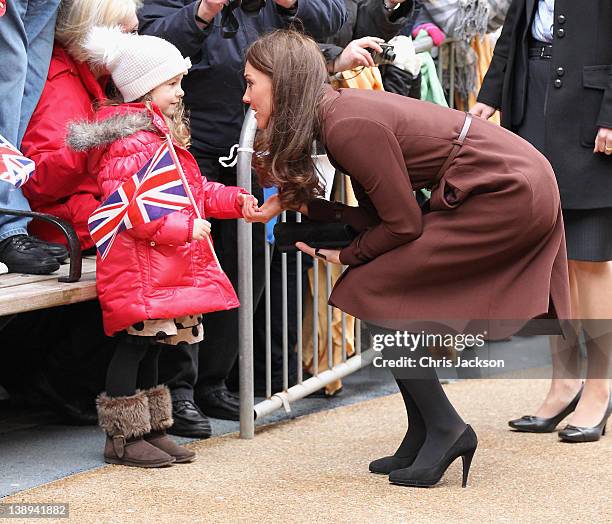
<point>100,89</point>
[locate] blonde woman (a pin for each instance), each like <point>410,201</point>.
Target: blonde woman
<point>63,185</point>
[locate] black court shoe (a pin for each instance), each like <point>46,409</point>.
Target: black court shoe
<point>464,447</point>
<point>580,434</point>
<point>531,424</point>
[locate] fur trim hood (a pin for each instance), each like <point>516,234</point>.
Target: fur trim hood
<point>86,135</point>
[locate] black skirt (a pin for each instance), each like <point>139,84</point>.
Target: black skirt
<point>588,232</point>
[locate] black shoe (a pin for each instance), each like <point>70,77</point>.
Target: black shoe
<point>219,403</point>
<point>580,434</point>
<point>57,251</point>
<point>531,424</point>
<point>22,254</point>
<point>464,447</point>
<point>385,465</point>
<point>189,421</point>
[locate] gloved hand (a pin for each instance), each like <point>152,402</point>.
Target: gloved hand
<point>436,34</point>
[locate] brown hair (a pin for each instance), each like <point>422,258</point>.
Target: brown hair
<point>178,124</point>
<point>297,69</point>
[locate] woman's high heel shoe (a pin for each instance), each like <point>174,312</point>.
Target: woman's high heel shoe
<point>580,434</point>
<point>464,447</point>
<point>531,424</point>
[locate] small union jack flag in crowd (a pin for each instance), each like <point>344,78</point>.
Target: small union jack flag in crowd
<point>14,167</point>
<point>153,192</point>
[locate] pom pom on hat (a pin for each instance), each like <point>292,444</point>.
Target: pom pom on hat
<point>138,64</point>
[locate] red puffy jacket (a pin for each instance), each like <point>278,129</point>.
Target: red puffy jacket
<point>62,185</point>
<point>155,270</point>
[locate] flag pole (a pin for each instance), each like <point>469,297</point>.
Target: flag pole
<point>188,191</point>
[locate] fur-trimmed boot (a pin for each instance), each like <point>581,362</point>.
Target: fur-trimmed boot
<point>160,407</point>
<point>126,420</point>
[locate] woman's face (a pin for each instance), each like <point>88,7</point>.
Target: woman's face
<point>168,95</point>
<point>258,94</point>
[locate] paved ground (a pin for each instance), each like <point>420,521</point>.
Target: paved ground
<point>36,448</point>
<point>314,469</point>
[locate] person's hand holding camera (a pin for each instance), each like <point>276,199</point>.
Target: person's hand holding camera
<point>356,54</point>
<point>207,10</point>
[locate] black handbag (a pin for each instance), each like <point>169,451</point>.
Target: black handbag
<point>323,235</point>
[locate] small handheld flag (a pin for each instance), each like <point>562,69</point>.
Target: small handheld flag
<point>154,191</point>
<point>14,167</point>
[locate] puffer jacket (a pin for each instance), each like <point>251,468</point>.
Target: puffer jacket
<point>63,185</point>
<point>155,270</point>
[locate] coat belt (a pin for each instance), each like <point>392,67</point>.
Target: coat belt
<point>457,143</point>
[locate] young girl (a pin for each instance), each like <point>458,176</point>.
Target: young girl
<point>157,278</point>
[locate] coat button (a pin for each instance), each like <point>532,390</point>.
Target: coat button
<point>558,83</point>
<point>152,244</point>
<point>560,32</point>
<point>561,19</point>
<point>560,71</point>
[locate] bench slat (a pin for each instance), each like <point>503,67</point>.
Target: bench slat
<point>20,293</point>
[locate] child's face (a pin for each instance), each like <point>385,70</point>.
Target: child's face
<point>258,94</point>
<point>168,95</point>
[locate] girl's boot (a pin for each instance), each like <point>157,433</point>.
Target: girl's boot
<point>160,407</point>
<point>126,420</point>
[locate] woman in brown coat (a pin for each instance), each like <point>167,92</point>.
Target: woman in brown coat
<point>489,245</point>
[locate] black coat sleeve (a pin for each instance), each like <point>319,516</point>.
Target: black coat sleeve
<point>374,20</point>
<point>174,20</point>
<point>492,85</point>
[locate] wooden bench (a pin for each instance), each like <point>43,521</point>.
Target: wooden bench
<point>20,293</point>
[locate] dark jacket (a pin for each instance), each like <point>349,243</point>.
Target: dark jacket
<point>215,85</point>
<point>367,18</point>
<point>579,94</point>
<point>493,245</point>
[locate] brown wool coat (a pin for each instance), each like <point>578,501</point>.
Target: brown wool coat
<point>491,246</point>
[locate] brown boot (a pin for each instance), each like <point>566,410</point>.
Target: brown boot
<point>125,420</point>
<point>160,407</point>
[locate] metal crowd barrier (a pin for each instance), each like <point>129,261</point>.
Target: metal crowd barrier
<point>249,411</point>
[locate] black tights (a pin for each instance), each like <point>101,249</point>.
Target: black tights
<point>134,365</point>
<point>433,422</point>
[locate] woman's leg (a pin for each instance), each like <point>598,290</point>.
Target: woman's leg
<point>431,409</point>
<point>566,361</point>
<point>594,280</point>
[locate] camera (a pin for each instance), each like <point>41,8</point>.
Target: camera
<point>229,21</point>
<point>249,6</point>
<point>386,57</point>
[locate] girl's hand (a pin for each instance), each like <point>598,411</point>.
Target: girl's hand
<point>250,211</point>
<point>201,229</point>
<point>327,255</point>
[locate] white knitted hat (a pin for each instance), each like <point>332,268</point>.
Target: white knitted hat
<point>138,64</point>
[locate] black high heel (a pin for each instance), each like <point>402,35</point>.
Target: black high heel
<point>531,424</point>
<point>581,434</point>
<point>464,447</point>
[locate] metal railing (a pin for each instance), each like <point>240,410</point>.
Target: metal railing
<point>74,246</point>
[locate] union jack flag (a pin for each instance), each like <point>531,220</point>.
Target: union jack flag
<point>14,167</point>
<point>153,192</point>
